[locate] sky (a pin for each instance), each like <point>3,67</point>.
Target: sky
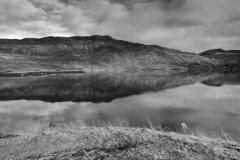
<point>187,25</point>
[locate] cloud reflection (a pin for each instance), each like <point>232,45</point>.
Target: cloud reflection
<point>211,107</point>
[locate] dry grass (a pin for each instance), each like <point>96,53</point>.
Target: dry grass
<point>101,140</point>
<point>203,133</point>
<point>199,132</point>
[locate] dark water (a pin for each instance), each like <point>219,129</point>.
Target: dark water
<point>208,100</point>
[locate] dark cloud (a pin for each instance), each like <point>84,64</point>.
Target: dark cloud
<point>167,5</point>
<point>172,5</point>
<point>191,25</point>
<point>234,19</point>
<point>175,22</point>
<point>231,114</point>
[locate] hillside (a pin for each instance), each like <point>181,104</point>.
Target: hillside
<point>229,60</point>
<point>227,56</point>
<point>98,51</point>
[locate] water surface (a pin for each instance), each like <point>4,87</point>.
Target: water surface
<point>208,100</point>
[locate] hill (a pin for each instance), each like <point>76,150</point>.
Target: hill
<point>229,59</point>
<point>227,56</point>
<point>94,51</point>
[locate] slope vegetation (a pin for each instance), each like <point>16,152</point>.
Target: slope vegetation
<point>104,51</point>
<point>227,56</point>
<point>229,59</point>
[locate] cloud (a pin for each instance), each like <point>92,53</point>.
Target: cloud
<point>190,25</point>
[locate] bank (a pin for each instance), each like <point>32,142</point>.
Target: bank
<point>80,141</point>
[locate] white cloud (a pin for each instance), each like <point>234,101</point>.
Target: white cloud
<point>190,25</point>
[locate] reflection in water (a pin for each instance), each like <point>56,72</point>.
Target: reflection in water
<point>91,87</point>
<point>195,104</point>
<point>230,79</point>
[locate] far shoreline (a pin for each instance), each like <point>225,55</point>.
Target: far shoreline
<point>44,72</point>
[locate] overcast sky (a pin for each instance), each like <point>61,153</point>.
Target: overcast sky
<point>188,25</point>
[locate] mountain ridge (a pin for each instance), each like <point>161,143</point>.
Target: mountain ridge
<point>225,56</point>
<point>214,51</point>
<point>94,51</point>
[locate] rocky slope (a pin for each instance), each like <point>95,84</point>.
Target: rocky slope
<point>100,51</point>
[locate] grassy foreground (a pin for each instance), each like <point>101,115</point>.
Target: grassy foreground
<point>79,141</point>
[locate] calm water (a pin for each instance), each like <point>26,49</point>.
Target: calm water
<point>208,100</point>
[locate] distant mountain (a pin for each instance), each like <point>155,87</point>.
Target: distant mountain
<point>228,56</point>
<point>98,51</point>
<point>219,51</point>
<point>229,59</point>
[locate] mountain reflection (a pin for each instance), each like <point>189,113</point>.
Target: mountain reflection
<point>195,104</point>
<point>91,87</point>
<point>223,79</point>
